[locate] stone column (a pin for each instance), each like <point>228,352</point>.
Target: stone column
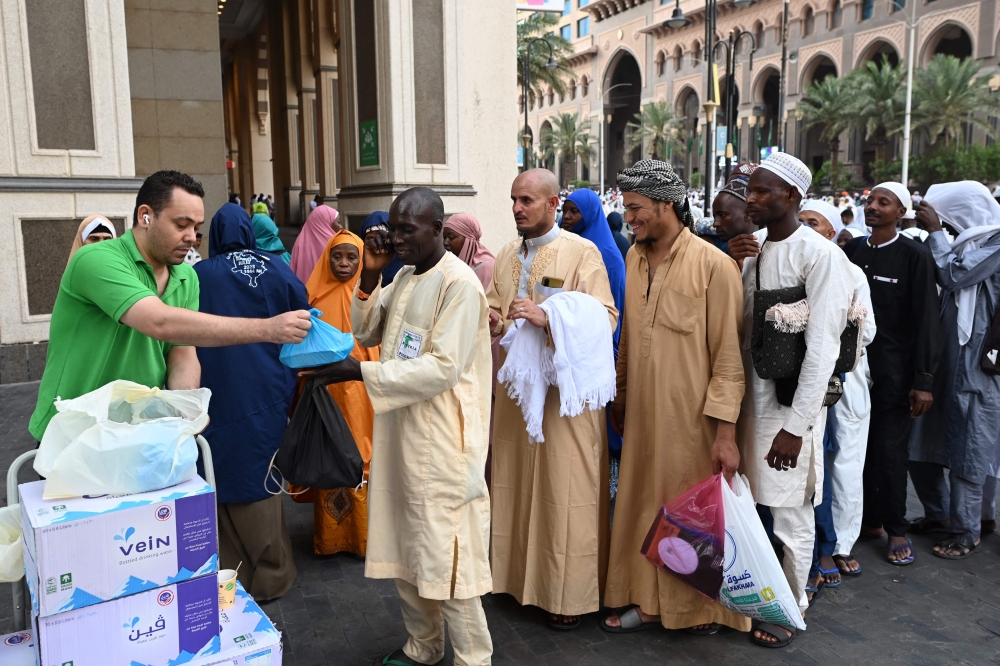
<point>305,67</point>
<point>327,94</point>
<point>448,128</point>
<point>283,114</point>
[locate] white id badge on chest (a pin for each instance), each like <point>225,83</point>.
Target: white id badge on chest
<point>409,345</point>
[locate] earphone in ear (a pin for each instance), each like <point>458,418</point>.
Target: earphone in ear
<point>146,217</point>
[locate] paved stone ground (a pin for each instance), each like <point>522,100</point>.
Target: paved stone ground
<point>932,612</point>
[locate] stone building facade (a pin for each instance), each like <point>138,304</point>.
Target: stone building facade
<point>355,100</point>
<point>629,57</point>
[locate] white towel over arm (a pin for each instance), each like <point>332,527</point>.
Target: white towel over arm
<point>582,363</point>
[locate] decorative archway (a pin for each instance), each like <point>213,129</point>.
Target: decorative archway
<point>820,66</point>
<point>623,90</point>
<point>950,39</point>
<point>874,52</point>
<point>688,107</point>
<point>765,97</point>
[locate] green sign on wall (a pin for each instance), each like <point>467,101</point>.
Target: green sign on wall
<point>368,136</point>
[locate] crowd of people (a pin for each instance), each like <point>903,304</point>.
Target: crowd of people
<point>811,345</point>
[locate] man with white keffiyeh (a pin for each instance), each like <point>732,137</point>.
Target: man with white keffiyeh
<point>962,430</point>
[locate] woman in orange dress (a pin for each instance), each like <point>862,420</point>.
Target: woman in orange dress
<point>341,515</point>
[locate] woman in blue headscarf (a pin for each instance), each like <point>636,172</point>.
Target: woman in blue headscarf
<point>379,221</point>
<point>584,215</point>
<point>251,394</point>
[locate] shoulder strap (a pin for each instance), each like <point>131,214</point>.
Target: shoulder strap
<point>757,264</point>
<point>858,246</point>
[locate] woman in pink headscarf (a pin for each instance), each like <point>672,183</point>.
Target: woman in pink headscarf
<point>319,228</point>
<point>461,238</point>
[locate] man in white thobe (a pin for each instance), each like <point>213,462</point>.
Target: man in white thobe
<point>782,444</point>
<point>428,512</point>
<point>847,421</point>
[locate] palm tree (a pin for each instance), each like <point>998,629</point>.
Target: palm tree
<point>660,130</point>
<point>877,103</point>
<point>569,139</point>
<point>823,105</point>
<point>541,25</point>
<point>949,94</point>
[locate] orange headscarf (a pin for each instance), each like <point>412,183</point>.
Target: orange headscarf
<point>333,298</point>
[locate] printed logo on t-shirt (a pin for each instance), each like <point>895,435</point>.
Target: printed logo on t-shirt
<point>249,264</point>
<point>409,345</point>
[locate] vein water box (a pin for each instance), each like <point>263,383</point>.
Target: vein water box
<point>87,550</point>
<point>18,649</point>
<point>247,637</point>
<point>171,625</point>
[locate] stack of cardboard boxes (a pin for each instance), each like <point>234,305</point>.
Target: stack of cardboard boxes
<point>132,580</point>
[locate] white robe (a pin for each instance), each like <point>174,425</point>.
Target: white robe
<point>428,509</point>
<point>849,420</point>
<point>804,258</point>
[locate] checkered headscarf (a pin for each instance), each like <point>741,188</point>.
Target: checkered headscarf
<point>658,181</point>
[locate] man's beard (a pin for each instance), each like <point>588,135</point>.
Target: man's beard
<point>649,240</point>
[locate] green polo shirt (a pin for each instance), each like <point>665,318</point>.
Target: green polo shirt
<point>88,347</point>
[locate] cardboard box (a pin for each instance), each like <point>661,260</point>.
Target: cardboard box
<point>175,624</point>
<point>18,649</point>
<point>87,550</point>
<point>247,636</point>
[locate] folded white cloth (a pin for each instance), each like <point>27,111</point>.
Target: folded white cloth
<point>582,365</point>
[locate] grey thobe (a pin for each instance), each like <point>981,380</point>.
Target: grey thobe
<point>961,430</point>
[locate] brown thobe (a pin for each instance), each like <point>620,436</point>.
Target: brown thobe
<point>679,370</point>
<point>550,500</point>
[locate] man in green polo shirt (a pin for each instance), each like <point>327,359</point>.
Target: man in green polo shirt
<point>128,308</point>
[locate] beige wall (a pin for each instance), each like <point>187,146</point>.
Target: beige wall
<point>176,83</point>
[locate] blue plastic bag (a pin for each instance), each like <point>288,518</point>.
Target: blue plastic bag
<point>323,344</point>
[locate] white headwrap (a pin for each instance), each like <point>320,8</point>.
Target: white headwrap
<point>969,208</point>
<point>899,190</point>
<point>790,169</point>
<point>826,210</point>
<point>97,222</point>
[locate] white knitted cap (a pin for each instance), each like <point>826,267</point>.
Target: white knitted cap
<point>790,169</point>
<point>899,190</point>
<point>828,211</point>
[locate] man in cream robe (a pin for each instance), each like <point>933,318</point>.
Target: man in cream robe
<point>680,383</point>
<point>429,512</point>
<point>550,500</point>
<point>781,444</point>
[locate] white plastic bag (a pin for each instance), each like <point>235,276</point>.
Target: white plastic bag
<point>124,438</point>
<point>753,583</point>
<point>11,555</point>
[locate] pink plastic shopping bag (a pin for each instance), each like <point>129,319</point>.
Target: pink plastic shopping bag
<point>687,537</point>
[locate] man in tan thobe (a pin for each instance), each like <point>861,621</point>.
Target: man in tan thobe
<point>680,383</point>
<point>429,512</point>
<point>550,500</point>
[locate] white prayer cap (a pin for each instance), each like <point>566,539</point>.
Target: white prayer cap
<point>826,210</point>
<point>910,215</point>
<point>854,232</point>
<point>899,190</point>
<point>790,169</point>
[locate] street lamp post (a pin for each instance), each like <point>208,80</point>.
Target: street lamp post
<point>526,85</point>
<point>732,47</point>
<point>783,88</point>
<point>912,25</point>
<point>678,20</point>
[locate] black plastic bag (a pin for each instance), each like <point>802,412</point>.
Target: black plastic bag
<point>318,449</point>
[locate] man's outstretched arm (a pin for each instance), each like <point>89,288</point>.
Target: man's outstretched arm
<point>160,321</point>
